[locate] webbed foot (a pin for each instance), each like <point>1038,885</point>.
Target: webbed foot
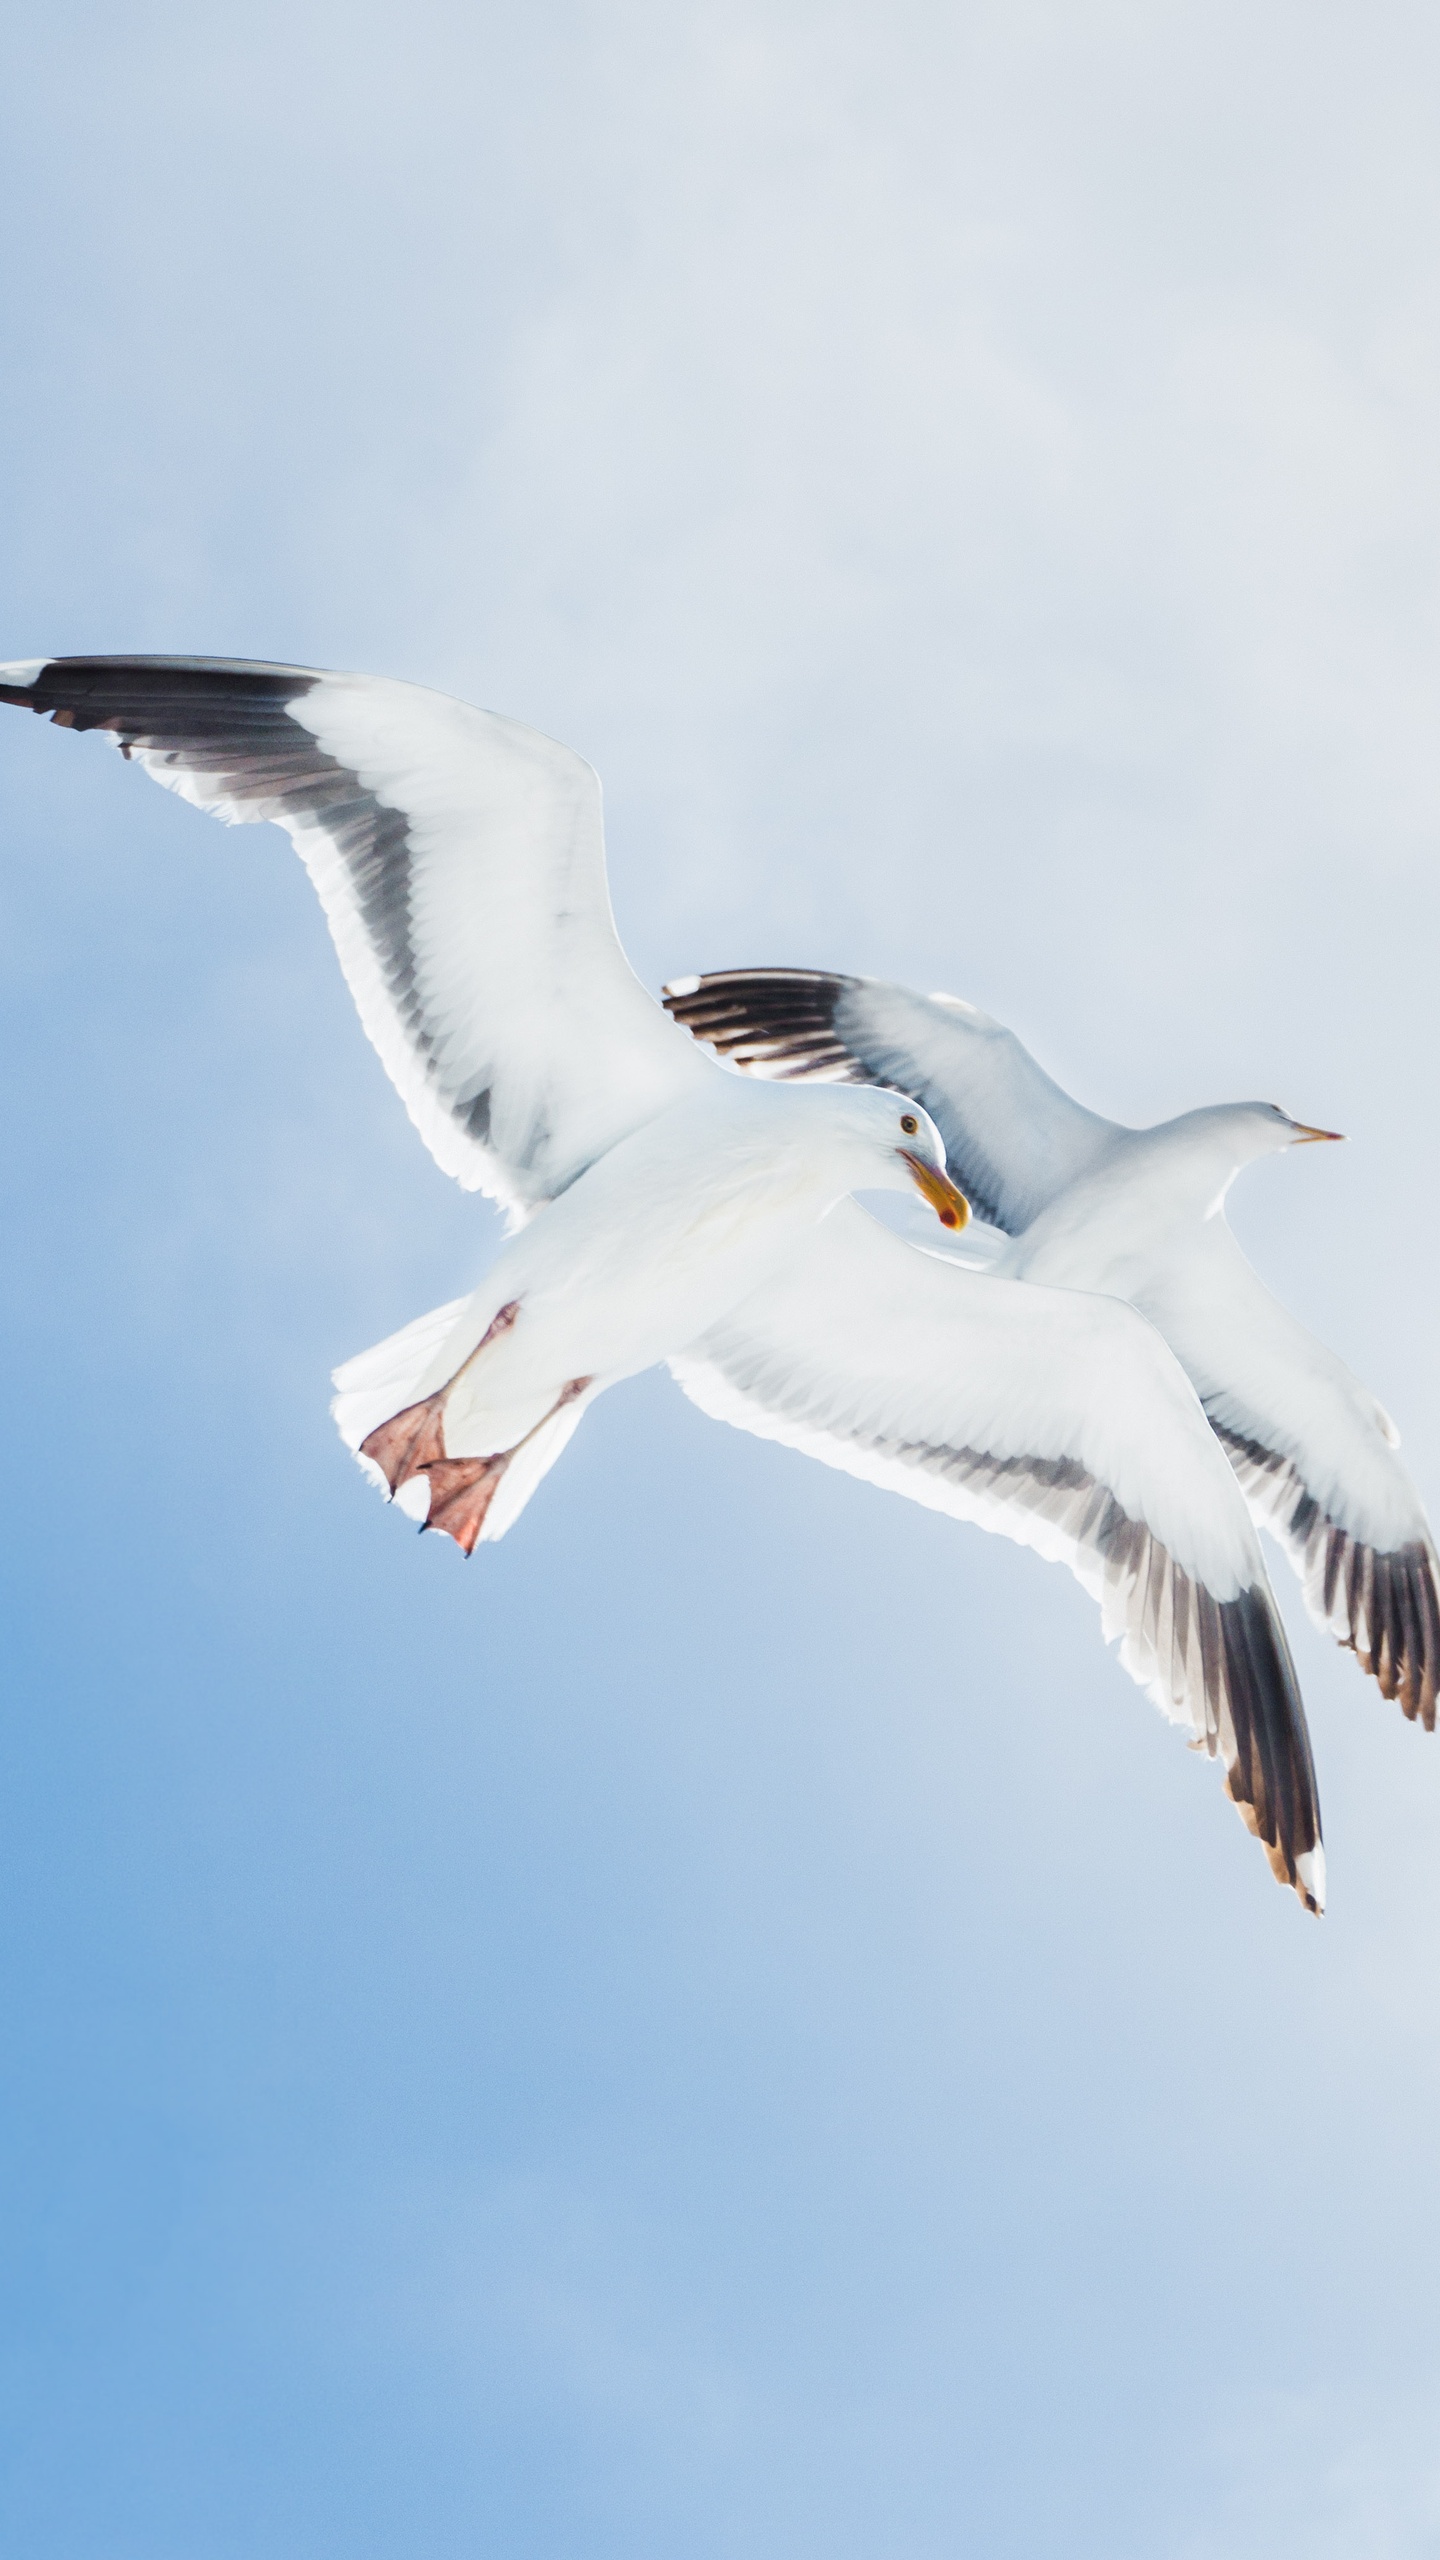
<point>414,1439</point>
<point>410,1441</point>
<point>461,1492</point>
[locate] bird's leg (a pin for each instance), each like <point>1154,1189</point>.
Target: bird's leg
<point>415,1439</point>
<point>462,1489</point>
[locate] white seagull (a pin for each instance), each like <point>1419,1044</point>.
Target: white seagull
<point>687,1214</point>
<point>1139,1214</point>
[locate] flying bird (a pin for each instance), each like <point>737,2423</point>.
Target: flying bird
<point>1139,1214</point>
<point>664,1209</point>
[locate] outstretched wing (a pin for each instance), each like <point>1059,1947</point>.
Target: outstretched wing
<point>1318,1458</point>
<point>1012,1137</point>
<point>1062,1421</point>
<point>460,861</point>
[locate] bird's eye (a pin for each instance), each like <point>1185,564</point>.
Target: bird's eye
<point>909,1124</point>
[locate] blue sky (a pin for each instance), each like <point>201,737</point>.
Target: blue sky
<point>725,2027</point>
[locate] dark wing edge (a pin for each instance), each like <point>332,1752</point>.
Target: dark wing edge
<point>1222,1667</point>
<point>777,1023</point>
<point>123,693</point>
<point>219,732</point>
<point>1384,1607</point>
<point>806,1026</point>
<point>1175,1637</point>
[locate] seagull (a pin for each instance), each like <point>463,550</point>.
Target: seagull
<point>664,1209</point>
<point>1139,1214</point>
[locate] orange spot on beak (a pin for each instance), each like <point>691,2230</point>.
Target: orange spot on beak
<point>950,1206</point>
<point>1307,1137</point>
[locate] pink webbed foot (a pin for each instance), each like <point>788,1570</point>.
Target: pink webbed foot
<point>461,1492</point>
<point>462,1489</point>
<point>410,1441</point>
<point>414,1439</point>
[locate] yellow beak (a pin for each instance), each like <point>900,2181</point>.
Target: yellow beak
<point>950,1206</point>
<point>1305,1137</point>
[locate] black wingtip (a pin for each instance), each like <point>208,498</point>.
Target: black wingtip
<point>19,682</point>
<point>1382,1604</point>
<point>1395,1626</point>
<point>772,1022</point>
<point>1270,1768</point>
<point>132,695</point>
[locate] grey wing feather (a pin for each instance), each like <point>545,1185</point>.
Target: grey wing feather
<point>1383,1605</point>
<point>1319,1460</point>
<point>459,858</point>
<point>1013,1137</point>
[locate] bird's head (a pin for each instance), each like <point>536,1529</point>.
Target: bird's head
<point>889,1144</point>
<point>1204,1150</point>
<point>1263,1129</point>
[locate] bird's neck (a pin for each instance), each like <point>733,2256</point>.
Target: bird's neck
<point>1158,1195</point>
